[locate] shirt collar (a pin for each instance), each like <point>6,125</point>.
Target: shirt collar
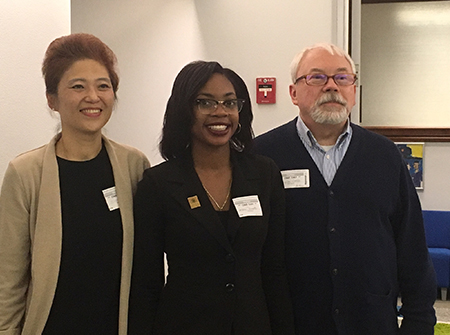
<point>307,136</point>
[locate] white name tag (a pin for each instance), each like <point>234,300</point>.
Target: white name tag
<point>111,198</point>
<point>248,206</point>
<point>295,178</point>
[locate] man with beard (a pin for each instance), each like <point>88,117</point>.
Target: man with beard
<point>354,233</point>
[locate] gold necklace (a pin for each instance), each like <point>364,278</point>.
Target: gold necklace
<point>214,200</point>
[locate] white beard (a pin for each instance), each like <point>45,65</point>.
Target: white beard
<point>324,114</point>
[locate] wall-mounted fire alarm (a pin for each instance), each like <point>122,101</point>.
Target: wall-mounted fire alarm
<point>266,88</point>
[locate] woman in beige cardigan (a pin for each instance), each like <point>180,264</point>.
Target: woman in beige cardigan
<point>66,222</point>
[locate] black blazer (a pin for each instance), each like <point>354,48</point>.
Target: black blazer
<point>222,278</point>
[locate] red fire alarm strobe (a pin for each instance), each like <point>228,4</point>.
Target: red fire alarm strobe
<point>266,90</point>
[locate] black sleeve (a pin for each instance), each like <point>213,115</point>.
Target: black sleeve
<point>147,278</point>
<point>273,268</point>
<point>416,274</point>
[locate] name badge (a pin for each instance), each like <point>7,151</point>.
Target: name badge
<point>248,206</point>
<point>295,178</point>
<point>111,198</point>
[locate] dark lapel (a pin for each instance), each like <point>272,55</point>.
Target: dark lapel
<point>245,182</point>
<point>184,183</point>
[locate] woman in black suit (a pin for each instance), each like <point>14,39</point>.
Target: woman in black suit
<point>217,212</point>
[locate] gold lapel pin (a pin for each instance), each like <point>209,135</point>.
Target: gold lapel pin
<point>194,202</point>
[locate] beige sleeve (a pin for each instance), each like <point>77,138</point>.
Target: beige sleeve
<point>14,252</point>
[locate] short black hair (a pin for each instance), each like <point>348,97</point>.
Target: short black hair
<point>179,116</point>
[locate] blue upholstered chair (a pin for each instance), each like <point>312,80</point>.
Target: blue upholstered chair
<point>437,231</point>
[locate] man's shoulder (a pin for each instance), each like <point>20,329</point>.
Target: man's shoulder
<point>276,136</point>
<point>278,131</point>
<point>281,144</point>
<point>371,138</point>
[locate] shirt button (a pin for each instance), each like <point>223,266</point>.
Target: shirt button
<point>229,258</point>
<point>335,272</point>
<point>229,287</point>
<point>328,156</point>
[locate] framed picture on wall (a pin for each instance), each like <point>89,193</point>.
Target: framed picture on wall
<point>412,154</point>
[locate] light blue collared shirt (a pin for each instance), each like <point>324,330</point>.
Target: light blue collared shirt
<point>327,161</point>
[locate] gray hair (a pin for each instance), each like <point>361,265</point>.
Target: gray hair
<point>331,48</point>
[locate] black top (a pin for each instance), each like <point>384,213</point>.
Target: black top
<point>223,217</point>
<point>87,294</point>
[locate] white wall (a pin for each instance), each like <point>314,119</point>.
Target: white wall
<point>154,39</point>
<point>26,29</point>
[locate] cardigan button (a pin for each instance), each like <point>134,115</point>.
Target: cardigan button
<point>332,230</point>
<point>335,272</point>
<point>331,193</point>
<point>229,287</point>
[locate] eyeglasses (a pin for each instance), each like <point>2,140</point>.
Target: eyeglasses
<point>319,79</point>
<point>208,106</point>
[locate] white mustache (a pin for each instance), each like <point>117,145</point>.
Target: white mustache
<point>331,97</point>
